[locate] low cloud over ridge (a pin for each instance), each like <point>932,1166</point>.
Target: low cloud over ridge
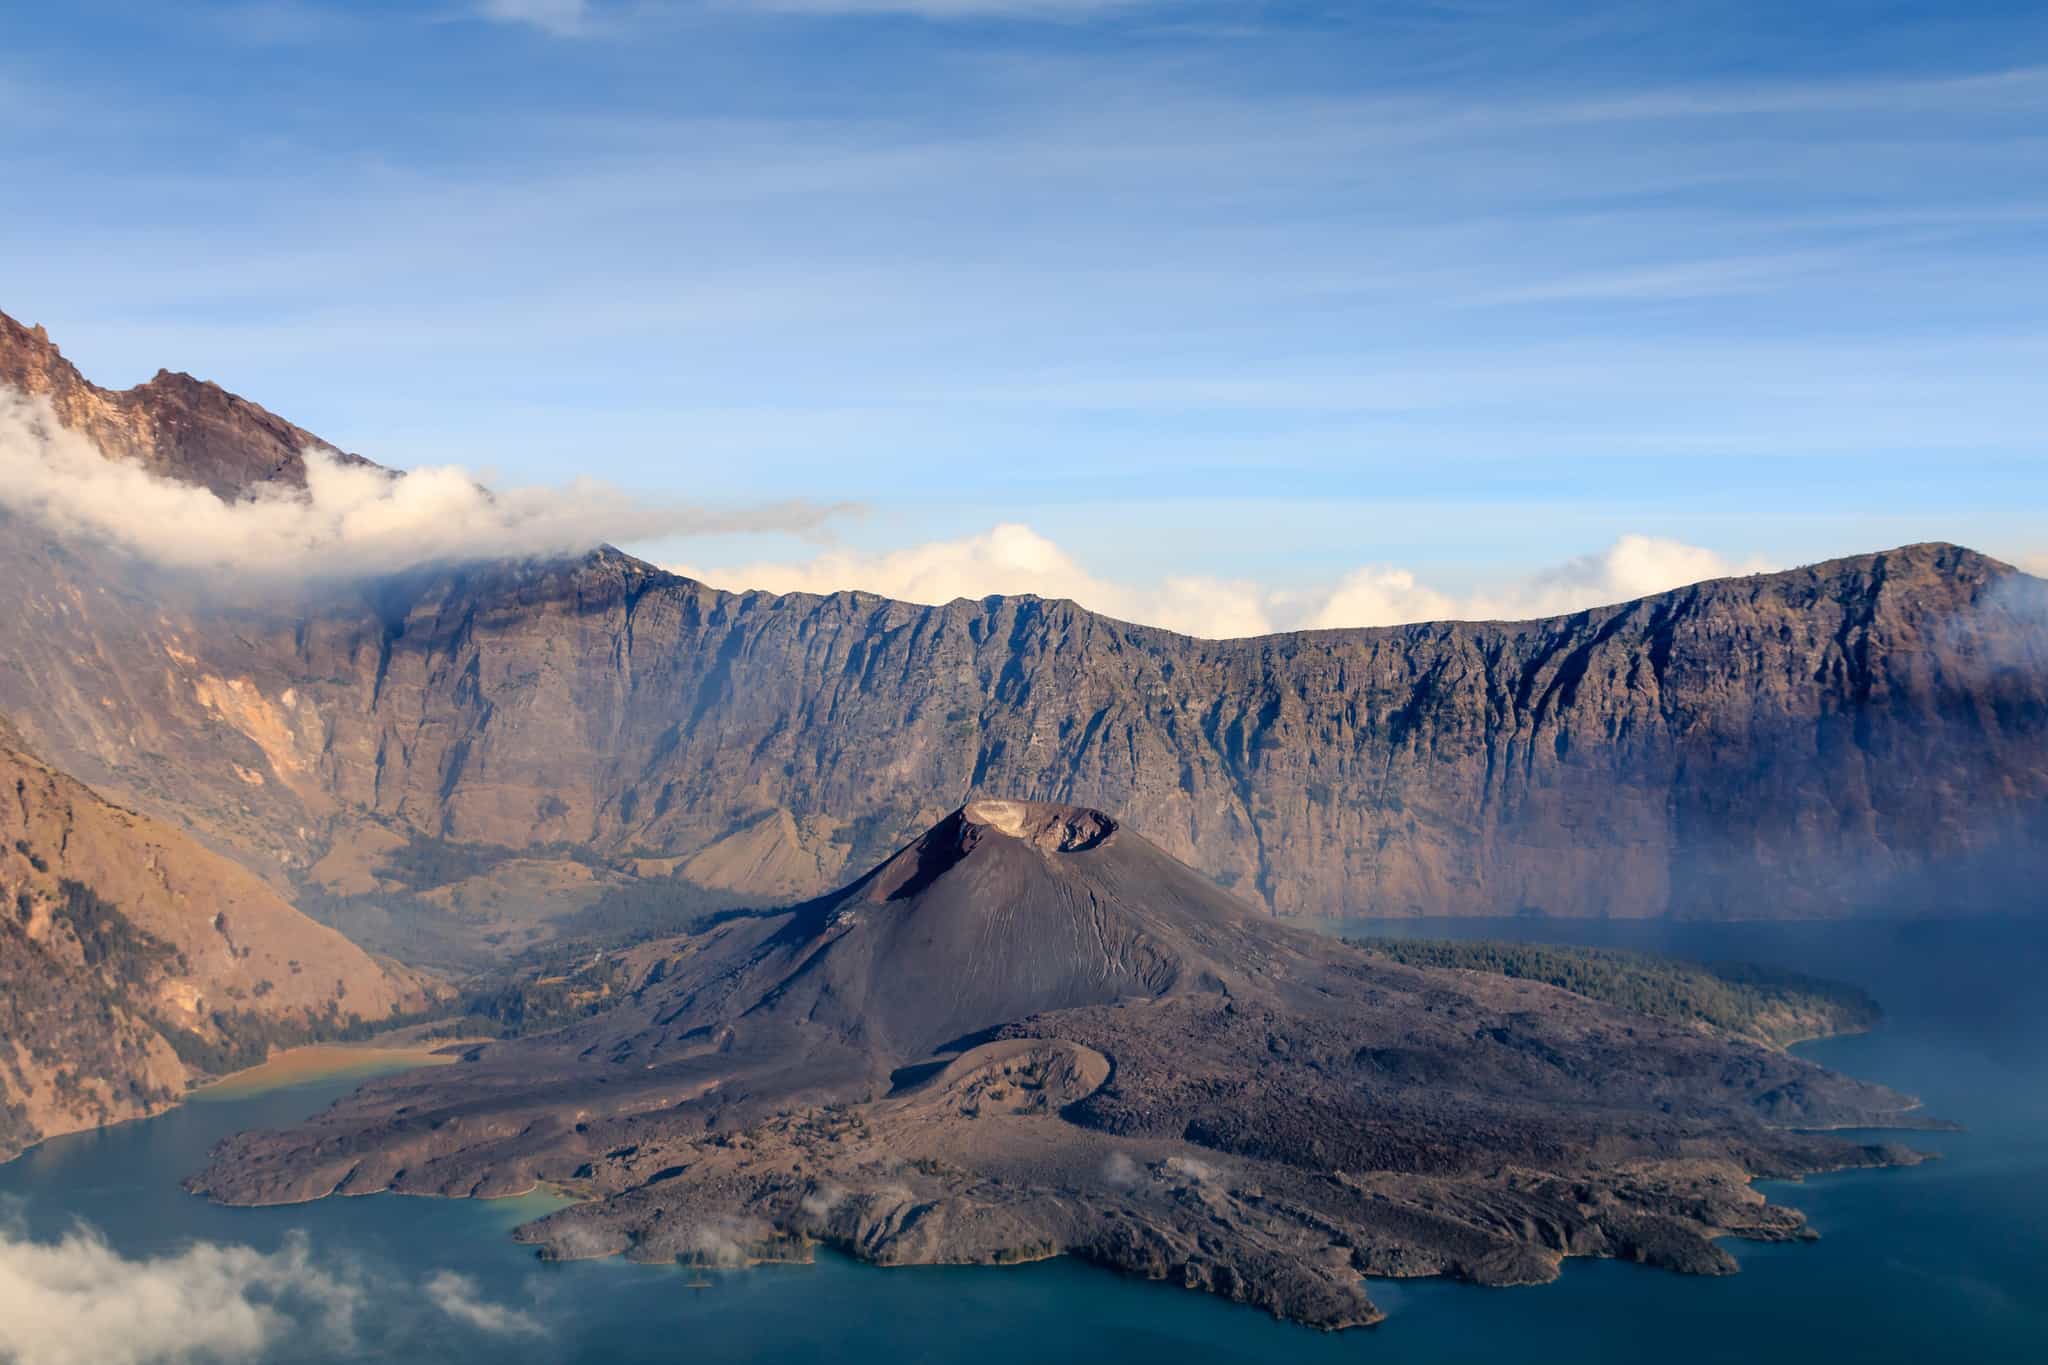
<point>1012,558</point>
<point>348,520</point>
<point>1633,566</point>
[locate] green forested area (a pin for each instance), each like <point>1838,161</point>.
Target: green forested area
<point>1743,999</point>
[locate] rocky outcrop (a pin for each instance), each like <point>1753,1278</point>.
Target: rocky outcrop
<point>1866,734</point>
<point>133,961</point>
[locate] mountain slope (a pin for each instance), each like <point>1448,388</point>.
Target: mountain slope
<point>133,961</point>
<point>1866,734</point>
<point>1130,1066</point>
<point>174,424</point>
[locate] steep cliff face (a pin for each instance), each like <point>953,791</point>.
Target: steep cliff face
<point>1870,733</point>
<point>132,961</point>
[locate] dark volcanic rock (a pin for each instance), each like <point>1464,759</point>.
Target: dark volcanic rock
<point>1131,1067</point>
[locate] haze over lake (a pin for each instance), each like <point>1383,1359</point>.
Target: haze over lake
<point>1941,1261</point>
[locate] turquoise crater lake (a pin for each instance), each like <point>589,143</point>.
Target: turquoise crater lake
<point>1946,1261</point>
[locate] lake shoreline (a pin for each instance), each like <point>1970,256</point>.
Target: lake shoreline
<point>327,1061</point>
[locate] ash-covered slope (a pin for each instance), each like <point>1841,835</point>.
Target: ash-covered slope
<point>1005,908</point>
<point>1132,1068</point>
<point>1865,734</point>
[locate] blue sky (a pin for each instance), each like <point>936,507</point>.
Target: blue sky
<point>1231,305</point>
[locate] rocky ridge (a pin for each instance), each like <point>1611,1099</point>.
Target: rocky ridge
<point>1865,735</point>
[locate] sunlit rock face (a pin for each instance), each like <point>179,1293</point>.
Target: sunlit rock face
<point>1866,734</point>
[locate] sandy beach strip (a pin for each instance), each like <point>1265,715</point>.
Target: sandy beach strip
<point>327,1061</point>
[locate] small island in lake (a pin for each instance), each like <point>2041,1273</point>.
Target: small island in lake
<point>1032,1033</point>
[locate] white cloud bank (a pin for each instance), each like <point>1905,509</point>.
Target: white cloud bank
<point>78,1301</point>
<point>348,520</point>
<point>1633,566</point>
<point>1012,558</point>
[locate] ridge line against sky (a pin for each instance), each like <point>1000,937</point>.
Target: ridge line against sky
<point>351,521</point>
<point>1190,293</point>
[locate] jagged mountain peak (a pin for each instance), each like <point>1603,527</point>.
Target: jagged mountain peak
<point>175,425</point>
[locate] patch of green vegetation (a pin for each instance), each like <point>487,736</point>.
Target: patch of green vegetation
<point>537,1003</point>
<point>578,974</point>
<point>1745,1000</point>
<point>16,1132</point>
<point>876,832</point>
<point>111,944</point>
<point>397,924</point>
<point>74,1019</point>
<point>640,910</point>
<point>425,864</point>
<point>246,1038</point>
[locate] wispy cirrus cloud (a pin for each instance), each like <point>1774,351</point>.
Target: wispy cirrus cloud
<point>562,18</point>
<point>1381,243</point>
<point>279,23</point>
<point>582,18</point>
<point>944,9</point>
